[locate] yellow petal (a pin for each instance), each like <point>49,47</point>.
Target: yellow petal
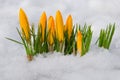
<point>59,26</point>
<point>51,30</point>
<point>79,42</point>
<point>69,25</point>
<point>24,24</point>
<point>42,23</point>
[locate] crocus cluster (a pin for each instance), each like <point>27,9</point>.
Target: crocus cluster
<point>53,35</point>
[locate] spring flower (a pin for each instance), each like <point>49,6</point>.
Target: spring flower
<point>24,24</point>
<point>51,30</point>
<point>59,26</point>
<point>79,42</point>
<point>42,23</point>
<point>68,26</point>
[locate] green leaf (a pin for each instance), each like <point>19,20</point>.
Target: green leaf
<point>14,40</point>
<point>105,36</point>
<point>111,35</point>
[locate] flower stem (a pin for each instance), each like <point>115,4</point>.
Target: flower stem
<point>51,48</point>
<point>61,46</point>
<point>29,57</point>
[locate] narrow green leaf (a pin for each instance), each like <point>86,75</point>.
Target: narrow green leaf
<point>111,35</point>
<point>14,40</point>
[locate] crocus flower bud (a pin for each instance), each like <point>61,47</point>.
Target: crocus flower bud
<point>43,24</point>
<point>79,42</point>
<point>24,25</point>
<point>59,26</point>
<point>51,30</point>
<point>69,25</point>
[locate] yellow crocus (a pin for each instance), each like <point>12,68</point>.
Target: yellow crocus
<point>69,25</point>
<point>79,42</point>
<point>59,26</point>
<point>24,24</point>
<point>51,30</point>
<point>42,23</point>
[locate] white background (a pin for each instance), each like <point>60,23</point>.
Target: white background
<point>98,64</point>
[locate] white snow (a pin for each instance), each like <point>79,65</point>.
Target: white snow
<point>97,64</point>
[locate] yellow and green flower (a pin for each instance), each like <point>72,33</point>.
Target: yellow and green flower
<point>24,25</point>
<point>43,24</point>
<point>59,26</point>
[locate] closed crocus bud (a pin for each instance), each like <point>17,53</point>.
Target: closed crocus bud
<point>51,30</point>
<point>59,26</point>
<point>43,23</point>
<point>69,25</point>
<point>79,42</point>
<point>24,25</point>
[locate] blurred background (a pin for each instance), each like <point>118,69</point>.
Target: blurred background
<point>98,64</point>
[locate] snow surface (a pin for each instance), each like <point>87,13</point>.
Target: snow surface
<point>98,64</point>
